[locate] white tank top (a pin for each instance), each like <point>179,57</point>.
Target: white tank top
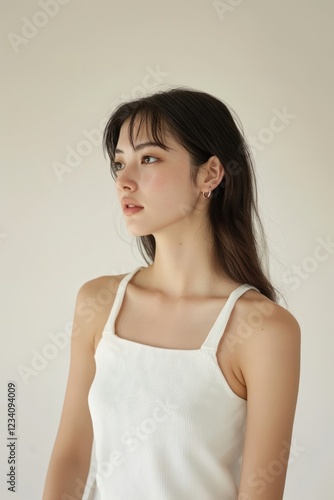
<point>167,426</point>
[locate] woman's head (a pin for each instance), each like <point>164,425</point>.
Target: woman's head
<point>201,123</point>
<point>159,179</point>
<point>203,127</point>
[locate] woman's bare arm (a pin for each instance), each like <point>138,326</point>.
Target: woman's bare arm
<point>70,458</point>
<point>270,364</point>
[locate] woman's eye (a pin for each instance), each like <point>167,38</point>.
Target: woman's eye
<point>149,157</point>
<point>117,165</point>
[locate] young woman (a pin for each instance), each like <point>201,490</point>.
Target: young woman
<point>184,373</point>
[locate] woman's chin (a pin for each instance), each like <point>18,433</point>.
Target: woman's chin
<point>138,233</point>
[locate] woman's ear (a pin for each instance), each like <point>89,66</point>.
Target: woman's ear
<point>212,173</point>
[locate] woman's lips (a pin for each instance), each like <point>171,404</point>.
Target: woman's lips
<point>132,210</point>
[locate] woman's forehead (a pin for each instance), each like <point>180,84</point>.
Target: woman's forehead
<point>143,131</point>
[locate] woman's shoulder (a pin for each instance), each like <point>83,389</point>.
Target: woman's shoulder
<point>100,284</point>
<point>258,321</point>
<point>261,333</point>
<point>95,299</point>
<point>254,302</point>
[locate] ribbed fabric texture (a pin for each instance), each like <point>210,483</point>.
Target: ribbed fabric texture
<point>167,426</point>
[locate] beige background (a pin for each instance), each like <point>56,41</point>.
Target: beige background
<point>60,223</point>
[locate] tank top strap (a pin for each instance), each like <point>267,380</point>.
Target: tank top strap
<point>212,341</point>
<point>120,295</point>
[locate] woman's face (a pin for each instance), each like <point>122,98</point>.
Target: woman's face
<point>159,181</point>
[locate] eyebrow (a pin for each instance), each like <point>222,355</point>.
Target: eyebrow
<point>140,146</point>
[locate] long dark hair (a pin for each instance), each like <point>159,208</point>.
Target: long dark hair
<point>204,126</point>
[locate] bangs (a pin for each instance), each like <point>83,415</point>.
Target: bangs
<point>155,126</point>
<point>145,117</point>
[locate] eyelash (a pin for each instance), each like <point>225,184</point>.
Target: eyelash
<point>145,156</point>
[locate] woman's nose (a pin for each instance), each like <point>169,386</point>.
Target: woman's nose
<point>126,178</point>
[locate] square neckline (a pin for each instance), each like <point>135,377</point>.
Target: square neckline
<point>121,290</point>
